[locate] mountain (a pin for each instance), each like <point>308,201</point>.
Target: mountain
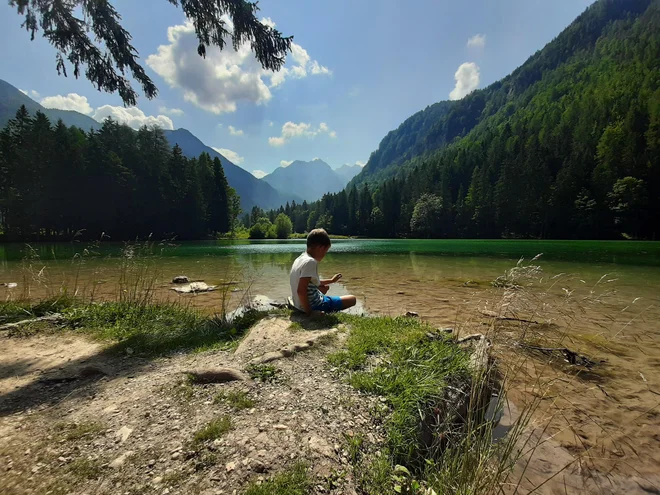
<point>12,98</point>
<point>307,180</point>
<point>567,146</point>
<point>251,190</point>
<point>448,121</point>
<point>347,172</point>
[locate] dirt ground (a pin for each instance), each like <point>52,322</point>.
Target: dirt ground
<point>75,420</point>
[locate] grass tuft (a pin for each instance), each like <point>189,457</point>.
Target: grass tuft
<point>76,431</point>
<point>237,399</point>
<point>216,428</point>
<point>293,481</point>
<point>85,469</point>
<point>265,373</point>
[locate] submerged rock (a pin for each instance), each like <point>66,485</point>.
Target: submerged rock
<point>180,279</point>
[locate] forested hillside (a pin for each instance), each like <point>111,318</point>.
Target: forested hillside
<point>251,190</point>
<point>56,181</point>
<point>567,146</point>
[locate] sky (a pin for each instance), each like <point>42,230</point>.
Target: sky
<point>357,70</point>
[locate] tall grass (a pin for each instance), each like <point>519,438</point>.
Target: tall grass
<point>419,373</point>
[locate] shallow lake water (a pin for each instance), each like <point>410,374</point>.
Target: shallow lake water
<point>603,296</point>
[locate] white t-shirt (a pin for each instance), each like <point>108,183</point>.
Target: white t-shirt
<point>305,266</point>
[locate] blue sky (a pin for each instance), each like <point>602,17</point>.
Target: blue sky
<point>358,70</point>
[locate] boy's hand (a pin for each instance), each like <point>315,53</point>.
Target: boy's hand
<point>336,278</point>
<point>316,313</point>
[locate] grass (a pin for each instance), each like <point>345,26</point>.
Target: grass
<point>77,431</point>
<point>216,428</point>
<point>237,399</point>
<point>293,481</point>
<point>265,373</point>
<point>409,365</point>
<point>85,469</point>
<point>150,329</point>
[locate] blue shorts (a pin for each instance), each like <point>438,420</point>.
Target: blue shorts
<point>330,304</point>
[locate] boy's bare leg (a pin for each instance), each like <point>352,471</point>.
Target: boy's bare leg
<point>348,302</point>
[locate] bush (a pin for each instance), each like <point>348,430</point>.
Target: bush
<point>283,226</point>
<point>263,229</point>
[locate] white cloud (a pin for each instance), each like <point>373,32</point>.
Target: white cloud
<point>267,21</point>
<point>235,132</point>
<point>259,174</point>
<point>318,69</point>
<point>224,78</point>
<point>230,155</point>
<point>467,80</point>
<point>72,101</point>
<point>360,163</point>
<point>271,123</point>
<point>176,112</point>
<point>133,117</point>
<point>477,41</point>
<point>23,91</point>
<point>285,163</point>
<point>292,130</point>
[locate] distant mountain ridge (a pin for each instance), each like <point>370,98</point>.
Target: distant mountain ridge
<point>251,190</point>
<point>12,98</point>
<point>310,180</point>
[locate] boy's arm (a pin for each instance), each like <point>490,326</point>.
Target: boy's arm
<point>303,282</point>
<point>331,280</point>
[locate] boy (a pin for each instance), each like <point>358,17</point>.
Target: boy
<point>307,289</point>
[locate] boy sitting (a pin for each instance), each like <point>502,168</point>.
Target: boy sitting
<point>307,289</point>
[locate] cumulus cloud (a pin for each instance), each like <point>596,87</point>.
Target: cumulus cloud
<point>235,132</point>
<point>23,91</point>
<point>360,163</point>
<point>467,80</point>
<point>267,21</point>
<point>292,130</point>
<point>72,101</point>
<point>133,117</point>
<point>477,41</point>
<point>226,77</point>
<point>259,174</point>
<point>176,112</point>
<point>285,163</point>
<point>230,155</point>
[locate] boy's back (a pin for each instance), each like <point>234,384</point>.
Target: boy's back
<point>307,288</point>
<point>305,266</point>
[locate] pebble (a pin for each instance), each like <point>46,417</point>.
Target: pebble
<point>280,427</point>
<point>230,466</point>
<point>151,463</point>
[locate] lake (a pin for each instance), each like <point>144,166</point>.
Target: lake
<point>599,297</point>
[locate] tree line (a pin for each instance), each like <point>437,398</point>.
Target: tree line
<point>58,182</point>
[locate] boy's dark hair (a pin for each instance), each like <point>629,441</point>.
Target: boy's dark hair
<point>318,237</point>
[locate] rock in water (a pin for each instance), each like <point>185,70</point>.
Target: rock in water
<point>194,287</point>
<point>180,279</point>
